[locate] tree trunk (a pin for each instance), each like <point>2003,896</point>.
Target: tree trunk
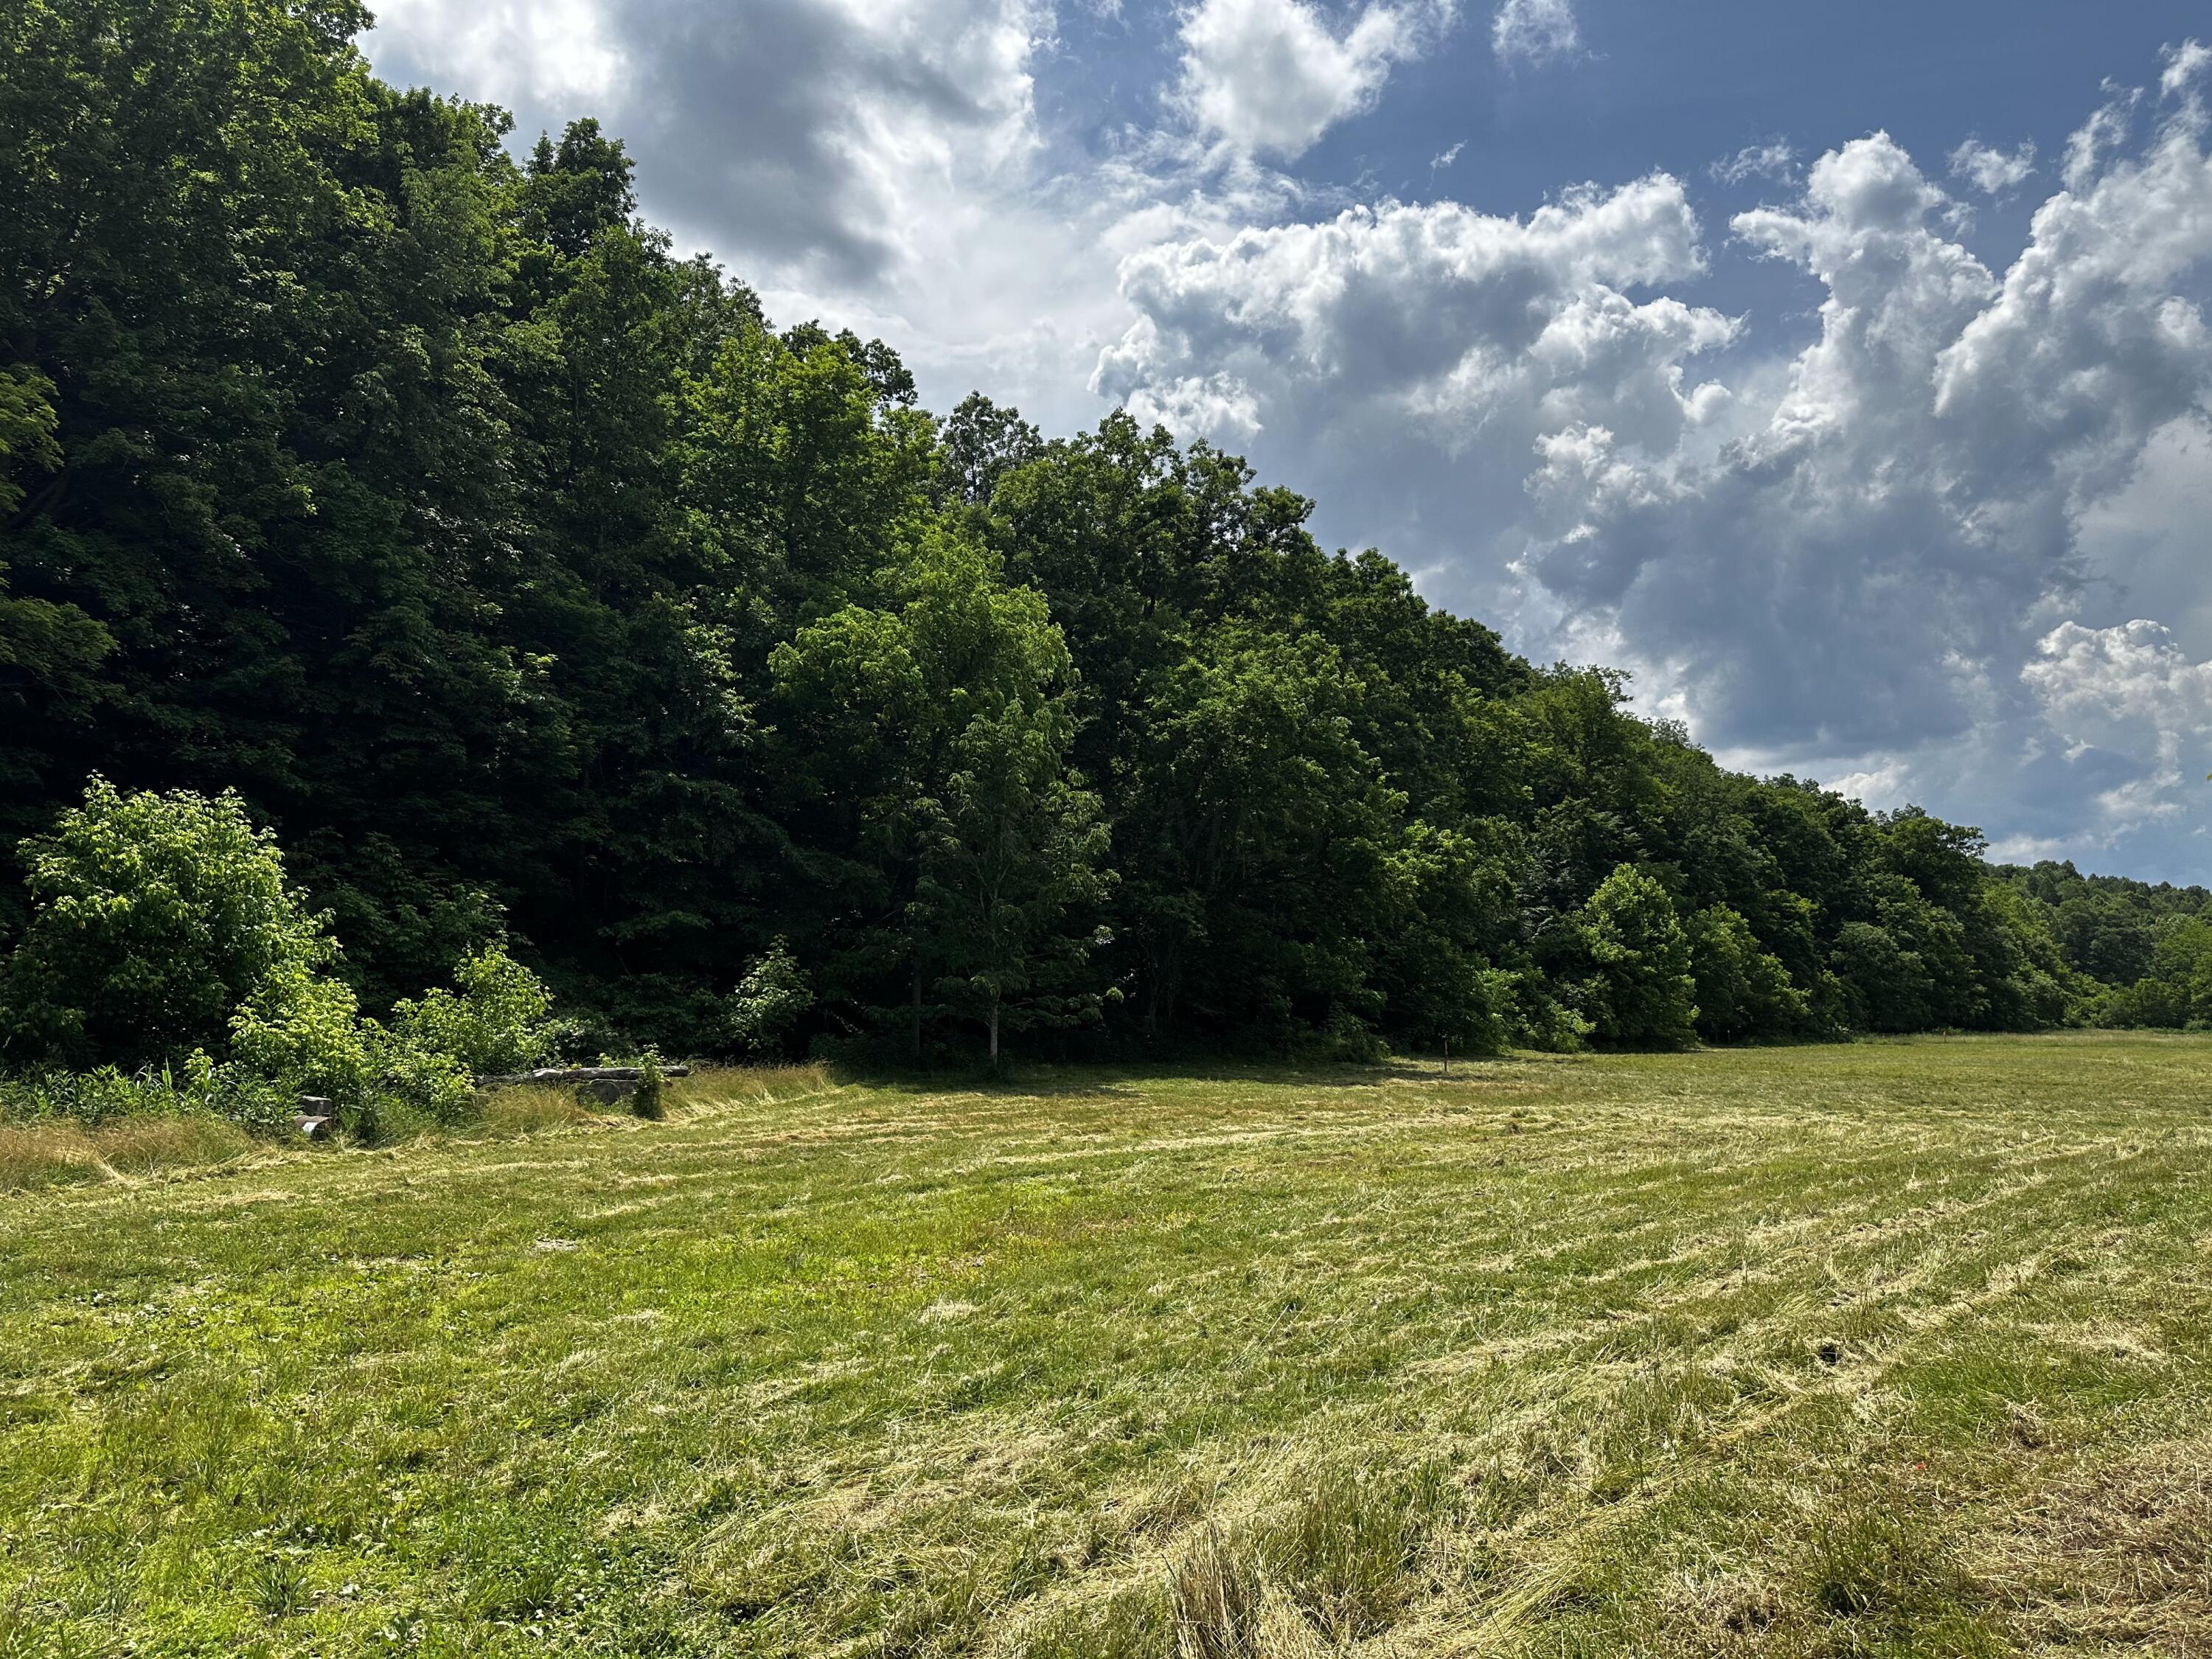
<point>994,1033</point>
<point>917,1008</point>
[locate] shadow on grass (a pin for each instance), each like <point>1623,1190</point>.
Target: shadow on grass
<point>1124,1076</point>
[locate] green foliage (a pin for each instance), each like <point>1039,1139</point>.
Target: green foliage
<point>930,738</point>
<point>495,1022</point>
<point>157,916</point>
<point>416,1082</point>
<point>1450,900</point>
<point>651,1100</point>
<point>2176,992</point>
<point>769,1001</point>
<point>2139,950</point>
<point>305,1035</point>
<point>26,431</point>
<point>1640,991</point>
<point>1742,990</point>
<point>155,911</point>
<point>101,1095</point>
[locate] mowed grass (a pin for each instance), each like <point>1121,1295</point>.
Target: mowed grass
<point>1885,1348</point>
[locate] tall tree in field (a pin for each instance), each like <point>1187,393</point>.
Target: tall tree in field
<point>1257,844</point>
<point>1640,991</point>
<point>1015,848</point>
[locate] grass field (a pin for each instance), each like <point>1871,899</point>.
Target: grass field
<point>1885,1348</point>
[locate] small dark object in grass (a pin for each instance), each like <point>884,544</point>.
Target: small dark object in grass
<point>1829,1351</point>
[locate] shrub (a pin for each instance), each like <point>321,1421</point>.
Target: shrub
<point>769,1001</point>
<point>421,1081</point>
<point>164,936</point>
<point>305,1035</point>
<point>155,917</point>
<point>651,1098</point>
<point>496,1022</point>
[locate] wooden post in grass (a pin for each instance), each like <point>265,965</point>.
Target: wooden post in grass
<point>1447,1056</point>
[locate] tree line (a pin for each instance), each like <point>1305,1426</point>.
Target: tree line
<point>535,589</point>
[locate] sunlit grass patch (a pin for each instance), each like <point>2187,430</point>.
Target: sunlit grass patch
<point>56,1152</point>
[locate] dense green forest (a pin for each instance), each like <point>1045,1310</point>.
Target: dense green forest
<point>531,585</point>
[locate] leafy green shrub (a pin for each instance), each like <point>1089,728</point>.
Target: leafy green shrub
<point>156,916</point>
<point>495,1023</point>
<point>651,1099</point>
<point>769,1001</point>
<point>423,1081</point>
<point>165,936</point>
<point>305,1035</point>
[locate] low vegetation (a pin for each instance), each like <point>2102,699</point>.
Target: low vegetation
<point>1898,1346</point>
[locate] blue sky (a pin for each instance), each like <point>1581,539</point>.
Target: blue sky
<point>1841,372</point>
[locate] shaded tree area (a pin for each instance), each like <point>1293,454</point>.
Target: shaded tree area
<point>2141,950</point>
<point>532,586</point>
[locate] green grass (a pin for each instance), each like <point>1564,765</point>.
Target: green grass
<point>1888,1348</point>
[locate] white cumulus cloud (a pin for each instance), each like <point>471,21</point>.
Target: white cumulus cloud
<point>2128,690</point>
<point>1270,76</point>
<point>1991,170</point>
<point>1433,316</point>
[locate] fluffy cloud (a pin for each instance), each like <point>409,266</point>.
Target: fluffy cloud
<point>1535,30</point>
<point>2127,692</point>
<point>1991,170</point>
<point>1431,314</point>
<point>1270,76</point>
